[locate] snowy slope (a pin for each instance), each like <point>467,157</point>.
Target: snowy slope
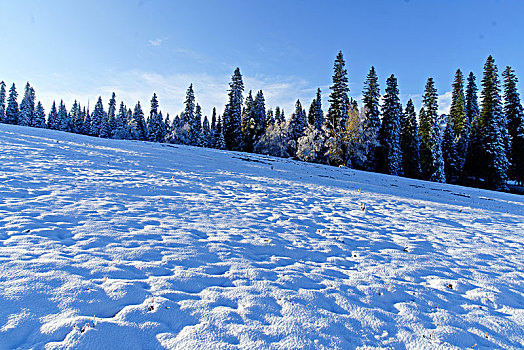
<point>108,244</point>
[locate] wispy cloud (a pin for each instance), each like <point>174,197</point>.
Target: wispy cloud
<point>157,42</point>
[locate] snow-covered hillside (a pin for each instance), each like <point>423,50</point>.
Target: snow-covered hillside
<point>108,244</point>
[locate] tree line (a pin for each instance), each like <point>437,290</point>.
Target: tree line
<point>476,145</point>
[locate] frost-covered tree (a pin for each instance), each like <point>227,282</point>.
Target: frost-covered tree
<point>2,102</point>
<point>154,127</point>
<point>64,118</point>
<point>389,156</point>
<point>259,115</point>
<point>139,123</point>
<point>12,112</point>
<point>111,113</point>
<point>88,123</point>
<point>121,130</point>
<point>77,118</point>
<point>39,118</point>
<point>338,99</point>
<point>450,152</point>
<point>276,142</point>
<point>98,119</point>
<point>298,122</point>
<point>371,122</point>
<point>515,121</point>
<point>196,126</point>
<point>312,146</point>
<point>432,161</point>
<point>410,143</point>
<point>52,119</point>
<point>316,115</point>
<point>494,133</point>
<point>27,106</point>
<point>232,118</point>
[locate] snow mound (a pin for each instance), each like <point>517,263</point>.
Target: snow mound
<point>131,245</point>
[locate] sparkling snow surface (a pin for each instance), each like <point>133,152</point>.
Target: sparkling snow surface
<point>108,244</point>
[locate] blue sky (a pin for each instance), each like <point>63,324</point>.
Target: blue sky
<point>83,49</point>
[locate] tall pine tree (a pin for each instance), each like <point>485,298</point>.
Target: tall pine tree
<point>248,123</point>
<point>515,120</point>
<point>461,126</point>
<point>389,153</point>
<point>410,143</point>
<point>338,99</point>
<point>493,124</point>
<point>450,152</point>
<point>431,159</point>
<point>27,106</point>
<point>473,165</point>
<point>232,118</point>
<point>12,112</point>
<point>139,123</point>
<point>371,122</point>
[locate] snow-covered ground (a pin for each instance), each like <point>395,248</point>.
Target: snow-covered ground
<point>108,244</point>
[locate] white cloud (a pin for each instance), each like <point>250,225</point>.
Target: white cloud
<point>444,102</point>
<point>157,42</point>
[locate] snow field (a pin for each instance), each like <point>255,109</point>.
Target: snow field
<point>131,245</point>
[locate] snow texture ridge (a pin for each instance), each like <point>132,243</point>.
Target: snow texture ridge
<point>133,245</point>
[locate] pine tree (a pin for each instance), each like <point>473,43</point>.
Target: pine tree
<point>120,123</point>
<point>12,112</point>
<point>270,119</point>
<point>88,123</point>
<point>432,162</point>
<point>139,123</point>
<point>279,115</point>
<point>316,115</point>
<point>64,118</point>
<point>472,166</point>
<point>389,157</point>
<point>259,115</point>
<point>450,152</point>
<point>338,98</point>
<point>39,118</point>
<point>188,115</point>
<point>472,107</point>
<point>205,136</point>
<point>298,122</point>
<point>515,121</point>
<point>196,126</point>
<point>111,110</point>
<point>2,103</point>
<point>410,143</point>
<point>99,119</point>
<point>248,124</point>
<point>27,106</point>
<point>371,122</point>
<point>76,118</point>
<point>494,128</point>
<point>461,126</point>
<point>152,121</point>
<point>232,118</point>
<point>52,119</point>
